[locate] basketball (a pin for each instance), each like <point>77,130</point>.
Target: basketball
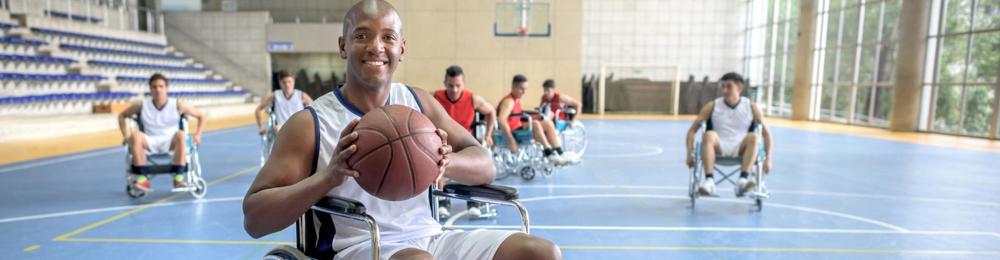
<point>397,153</point>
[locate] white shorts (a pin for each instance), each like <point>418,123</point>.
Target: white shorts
<point>158,144</point>
<point>729,149</point>
<point>452,244</point>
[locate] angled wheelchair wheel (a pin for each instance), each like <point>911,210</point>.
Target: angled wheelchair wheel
<point>574,139</point>
<point>527,173</point>
<point>548,170</point>
<point>285,252</point>
<point>134,192</point>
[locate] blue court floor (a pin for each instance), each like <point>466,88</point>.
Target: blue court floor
<point>833,196</point>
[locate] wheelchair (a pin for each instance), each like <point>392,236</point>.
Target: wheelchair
<point>572,137</point>
<point>267,139</point>
<point>527,161</point>
<point>161,164</point>
<point>756,171</point>
<point>308,244</point>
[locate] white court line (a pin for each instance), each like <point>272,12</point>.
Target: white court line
<point>769,204</point>
<point>118,208</point>
<point>736,230</point>
<point>89,154</point>
<point>801,192</point>
<point>655,150</point>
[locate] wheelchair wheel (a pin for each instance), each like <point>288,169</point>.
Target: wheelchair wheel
<point>133,192</point>
<point>574,139</point>
<point>548,170</point>
<point>285,252</point>
<point>760,205</point>
<point>194,174</point>
<point>527,173</point>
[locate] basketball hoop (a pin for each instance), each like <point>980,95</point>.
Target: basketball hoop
<point>522,31</point>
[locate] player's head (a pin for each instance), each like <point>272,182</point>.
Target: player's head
<point>732,85</point>
<point>454,80</point>
<point>372,43</point>
<point>549,88</point>
<point>518,86</point>
<point>286,81</point>
<point>158,87</point>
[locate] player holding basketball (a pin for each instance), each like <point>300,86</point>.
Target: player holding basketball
<point>308,161</point>
<point>544,131</point>
<point>284,102</point>
<point>462,106</point>
<point>730,123</point>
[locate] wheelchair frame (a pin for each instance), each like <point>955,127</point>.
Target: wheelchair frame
<point>526,163</point>
<point>352,209</point>
<point>267,139</point>
<point>198,188</point>
<point>698,172</point>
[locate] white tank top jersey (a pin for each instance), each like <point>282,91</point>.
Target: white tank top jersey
<point>285,107</point>
<point>162,121</point>
<point>732,123</point>
<point>397,220</point>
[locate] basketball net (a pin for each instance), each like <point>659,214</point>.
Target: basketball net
<point>522,32</point>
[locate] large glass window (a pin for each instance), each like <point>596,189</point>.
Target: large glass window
<point>963,54</point>
<point>855,58</point>
<point>769,64</point>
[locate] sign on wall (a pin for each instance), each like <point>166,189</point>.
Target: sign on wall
<point>276,46</point>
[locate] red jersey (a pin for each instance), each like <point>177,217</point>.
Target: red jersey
<point>462,110</point>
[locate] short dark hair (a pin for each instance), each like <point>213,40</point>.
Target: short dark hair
<point>454,71</point>
<point>735,77</point>
<point>284,74</point>
<point>519,79</point>
<point>158,76</point>
<point>549,83</point>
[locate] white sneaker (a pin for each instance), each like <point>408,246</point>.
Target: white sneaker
<point>443,213</point>
<point>707,187</point>
<point>474,212</point>
<point>744,185</point>
<point>555,159</point>
<point>571,157</point>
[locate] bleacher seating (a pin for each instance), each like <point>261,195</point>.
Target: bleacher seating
<point>33,83</point>
<point>12,45</point>
<point>93,53</point>
<point>141,85</point>
<point>74,17</point>
<point>97,41</point>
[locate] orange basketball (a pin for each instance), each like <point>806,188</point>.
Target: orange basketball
<point>397,153</point>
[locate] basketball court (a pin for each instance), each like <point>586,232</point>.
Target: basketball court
<point>846,181</point>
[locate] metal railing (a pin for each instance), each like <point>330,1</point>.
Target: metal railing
<point>108,13</point>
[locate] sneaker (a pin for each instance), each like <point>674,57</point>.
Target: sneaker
<point>571,157</point>
<point>180,184</point>
<point>707,187</point>
<point>474,212</point>
<point>443,212</point>
<point>141,185</point>
<point>555,159</point>
<point>744,185</point>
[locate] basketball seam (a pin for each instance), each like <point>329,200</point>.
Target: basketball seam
<point>409,127</point>
<point>405,151</point>
<point>387,142</point>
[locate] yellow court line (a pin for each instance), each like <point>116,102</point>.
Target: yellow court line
<point>31,248</point>
<point>950,141</point>
<point>102,222</point>
<point>779,250</point>
<point>174,241</point>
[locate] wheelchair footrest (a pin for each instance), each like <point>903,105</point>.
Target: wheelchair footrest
<point>183,189</point>
<point>757,195</point>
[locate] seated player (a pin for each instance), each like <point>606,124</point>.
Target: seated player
<point>283,102</point>
<point>160,117</point>
<point>462,106</point>
<point>554,101</point>
<point>309,160</point>
<point>543,131</point>
<point>730,122</point>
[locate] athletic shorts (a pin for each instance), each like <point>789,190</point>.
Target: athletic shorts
<point>452,244</point>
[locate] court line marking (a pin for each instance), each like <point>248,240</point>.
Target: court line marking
<point>800,192</point>
<point>781,250</point>
<point>145,206</point>
<point>174,241</point>
<point>738,230</point>
<point>588,247</point>
<point>656,150</point>
<point>31,248</point>
<point>769,204</point>
<point>117,208</point>
<point>88,154</point>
